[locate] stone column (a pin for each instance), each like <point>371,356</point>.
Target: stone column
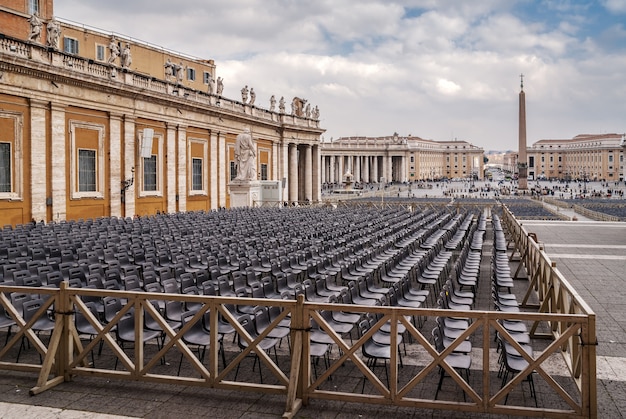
<point>213,168</point>
<point>389,169</point>
<point>130,164</point>
<point>38,167</point>
<point>316,178</point>
<point>274,175</point>
<point>402,177</point>
<point>223,168</point>
<point>293,172</point>
<point>340,170</point>
<point>332,170</point>
<point>366,169</point>
<point>59,166</point>
<point>375,169</point>
<point>182,168</point>
<point>284,170</point>
<point>308,172</point>
<point>170,155</point>
<point>323,166</point>
<point>115,164</point>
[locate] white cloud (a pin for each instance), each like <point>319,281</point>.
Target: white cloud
<point>437,69</point>
<point>615,6</point>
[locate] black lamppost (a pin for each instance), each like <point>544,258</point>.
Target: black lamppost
<point>127,184</point>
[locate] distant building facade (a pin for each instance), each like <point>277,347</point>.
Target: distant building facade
<point>399,159</point>
<point>586,156</point>
<point>98,125</point>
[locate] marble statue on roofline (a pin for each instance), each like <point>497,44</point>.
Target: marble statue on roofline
<point>114,50</point>
<point>169,69</point>
<point>272,103</point>
<point>245,156</point>
<point>53,31</point>
<point>220,86</point>
<point>281,105</point>
<point>36,25</point>
<point>209,83</point>
<point>244,94</point>
<point>252,96</point>
<point>126,57</point>
<point>315,113</point>
<point>179,71</point>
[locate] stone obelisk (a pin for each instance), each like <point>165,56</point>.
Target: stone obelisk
<point>522,160</point>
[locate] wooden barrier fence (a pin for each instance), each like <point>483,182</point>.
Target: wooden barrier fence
<point>65,356</point>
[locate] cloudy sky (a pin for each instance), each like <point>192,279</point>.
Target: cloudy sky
<point>437,69</point>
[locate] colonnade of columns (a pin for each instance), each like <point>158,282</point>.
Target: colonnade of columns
<point>302,172</point>
<point>363,168</point>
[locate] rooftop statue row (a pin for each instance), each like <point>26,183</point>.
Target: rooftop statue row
<point>299,107</point>
<point>53,31</point>
<point>173,72</point>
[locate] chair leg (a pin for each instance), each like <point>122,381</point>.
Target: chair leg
<point>8,335</point>
<point>221,349</point>
<point>180,363</point>
<point>441,374</point>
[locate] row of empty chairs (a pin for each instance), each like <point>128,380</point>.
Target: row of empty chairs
<point>511,361</point>
<point>466,273</point>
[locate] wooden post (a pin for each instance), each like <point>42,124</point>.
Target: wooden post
<point>295,389</point>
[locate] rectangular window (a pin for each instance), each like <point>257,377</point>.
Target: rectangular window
<point>70,45</point>
<point>191,74</point>
<point>33,7</point>
<point>5,168</point>
<point>150,173</point>
<point>206,77</point>
<point>233,170</point>
<point>100,52</point>
<point>263,171</point>
<point>196,174</point>
<point>86,170</point>
<point>610,158</point>
<point>531,161</point>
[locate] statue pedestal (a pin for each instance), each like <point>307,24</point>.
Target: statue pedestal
<point>244,193</point>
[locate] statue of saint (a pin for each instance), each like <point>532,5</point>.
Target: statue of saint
<point>180,72</point>
<point>35,28</point>
<point>220,86</point>
<point>53,34</point>
<point>209,81</point>
<point>281,105</point>
<point>307,111</point>
<point>316,113</point>
<point>272,103</point>
<point>244,94</point>
<point>252,97</point>
<point>169,69</point>
<point>125,57</point>
<point>245,156</point>
<point>294,106</point>
<point>114,50</point>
